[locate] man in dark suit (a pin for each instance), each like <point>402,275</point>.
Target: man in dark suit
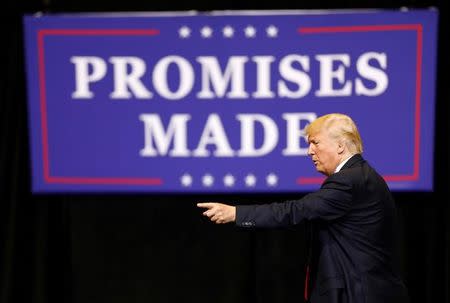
<point>352,217</point>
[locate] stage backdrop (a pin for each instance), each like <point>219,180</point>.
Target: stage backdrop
<point>218,102</point>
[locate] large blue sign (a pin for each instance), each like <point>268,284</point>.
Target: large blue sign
<point>218,102</point>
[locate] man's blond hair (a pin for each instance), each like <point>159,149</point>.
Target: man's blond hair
<point>339,127</point>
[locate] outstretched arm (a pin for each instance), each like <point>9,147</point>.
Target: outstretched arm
<point>333,200</point>
<point>219,213</point>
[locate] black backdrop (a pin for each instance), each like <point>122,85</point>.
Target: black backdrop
<point>148,248</point>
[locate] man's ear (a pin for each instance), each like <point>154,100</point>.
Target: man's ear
<point>341,147</point>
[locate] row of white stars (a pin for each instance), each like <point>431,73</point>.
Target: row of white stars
<point>228,180</point>
<point>228,31</point>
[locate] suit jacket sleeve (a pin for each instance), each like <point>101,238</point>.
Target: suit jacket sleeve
<point>331,201</point>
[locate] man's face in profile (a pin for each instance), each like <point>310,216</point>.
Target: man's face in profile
<point>324,152</point>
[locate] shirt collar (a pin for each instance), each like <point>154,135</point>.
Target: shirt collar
<point>339,167</point>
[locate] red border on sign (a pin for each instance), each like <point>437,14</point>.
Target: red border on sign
<point>43,106</point>
<point>414,176</point>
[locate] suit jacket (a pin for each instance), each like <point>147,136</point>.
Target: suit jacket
<point>353,218</point>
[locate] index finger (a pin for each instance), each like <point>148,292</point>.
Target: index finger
<point>206,205</point>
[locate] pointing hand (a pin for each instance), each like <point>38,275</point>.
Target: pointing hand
<point>218,213</point>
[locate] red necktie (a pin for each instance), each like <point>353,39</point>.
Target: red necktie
<point>306,292</point>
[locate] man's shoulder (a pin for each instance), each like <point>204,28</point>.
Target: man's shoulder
<point>358,171</point>
<point>360,175</point>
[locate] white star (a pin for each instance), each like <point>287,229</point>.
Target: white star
<point>228,31</point>
<point>184,32</point>
<point>250,180</point>
<point>272,31</point>
<point>206,32</point>
<point>272,179</point>
<point>228,180</point>
<point>186,180</point>
<point>208,180</point>
<point>250,31</point>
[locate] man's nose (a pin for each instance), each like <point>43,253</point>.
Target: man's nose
<point>310,150</point>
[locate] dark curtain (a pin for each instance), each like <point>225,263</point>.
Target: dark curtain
<point>148,248</point>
